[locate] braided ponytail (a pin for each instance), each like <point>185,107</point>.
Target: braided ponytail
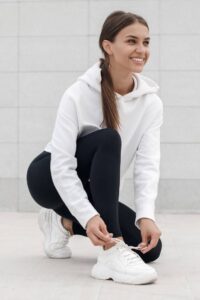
<point>110,112</point>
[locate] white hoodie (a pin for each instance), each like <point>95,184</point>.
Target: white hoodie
<point>80,113</point>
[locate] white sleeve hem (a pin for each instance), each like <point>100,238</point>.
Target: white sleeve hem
<point>144,214</point>
<point>85,219</point>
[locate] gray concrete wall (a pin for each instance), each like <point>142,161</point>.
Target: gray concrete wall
<point>45,45</point>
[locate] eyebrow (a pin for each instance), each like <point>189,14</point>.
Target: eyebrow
<point>135,37</point>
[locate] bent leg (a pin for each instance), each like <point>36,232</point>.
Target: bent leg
<point>98,160</point>
<point>103,170</point>
<point>41,186</point>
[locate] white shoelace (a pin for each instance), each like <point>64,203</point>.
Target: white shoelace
<point>131,247</point>
<point>130,256</point>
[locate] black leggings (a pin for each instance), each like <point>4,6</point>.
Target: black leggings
<point>98,167</point>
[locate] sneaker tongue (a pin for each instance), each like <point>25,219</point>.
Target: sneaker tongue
<point>121,243</point>
<point>132,256</point>
<point>114,247</point>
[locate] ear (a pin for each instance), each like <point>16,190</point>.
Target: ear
<point>107,46</point>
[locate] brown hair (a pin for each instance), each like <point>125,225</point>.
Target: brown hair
<point>114,23</point>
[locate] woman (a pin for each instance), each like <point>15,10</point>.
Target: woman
<point>108,117</point>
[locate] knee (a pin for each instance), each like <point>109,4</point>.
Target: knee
<point>111,137</point>
<point>153,254</point>
<point>35,186</point>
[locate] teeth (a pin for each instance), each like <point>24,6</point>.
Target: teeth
<point>137,59</point>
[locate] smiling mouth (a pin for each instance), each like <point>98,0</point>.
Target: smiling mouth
<point>137,59</point>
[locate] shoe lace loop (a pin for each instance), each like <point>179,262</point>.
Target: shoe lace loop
<point>130,256</point>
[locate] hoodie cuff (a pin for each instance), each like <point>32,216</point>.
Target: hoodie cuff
<point>146,213</point>
<point>86,219</point>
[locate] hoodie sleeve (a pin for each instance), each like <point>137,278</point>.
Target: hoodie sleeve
<point>147,167</point>
<point>64,163</point>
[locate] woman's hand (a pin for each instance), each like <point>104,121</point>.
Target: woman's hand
<point>97,232</point>
<point>149,232</point>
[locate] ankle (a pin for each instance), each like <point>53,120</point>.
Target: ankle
<point>67,224</point>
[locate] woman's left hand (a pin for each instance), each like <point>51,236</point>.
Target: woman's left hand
<point>149,232</point>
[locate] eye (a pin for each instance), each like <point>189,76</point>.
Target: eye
<point>131,41</point>
<point>146,43</point>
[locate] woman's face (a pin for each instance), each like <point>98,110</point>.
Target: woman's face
<point>130,49</point>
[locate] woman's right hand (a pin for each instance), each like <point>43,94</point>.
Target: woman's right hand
<point>97,232</point>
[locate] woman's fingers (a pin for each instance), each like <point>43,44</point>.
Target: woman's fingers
<point>142,245</point>
<point>96,241</point>
<point>103,228</point>
<point>152,244</point>
<point>97,231</point>
<point>102,236</point>
<point>100,239</point>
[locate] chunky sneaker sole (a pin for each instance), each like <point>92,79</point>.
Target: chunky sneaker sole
<point>123,265</point>
<point>55,238</point>
<point>102,272</point>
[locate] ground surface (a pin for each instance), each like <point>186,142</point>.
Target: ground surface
<point>26,273</point>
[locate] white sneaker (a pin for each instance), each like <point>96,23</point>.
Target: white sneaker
<point>56,236</point>
<point>123,265</point>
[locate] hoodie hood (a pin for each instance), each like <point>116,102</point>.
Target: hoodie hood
<point>143,84</point>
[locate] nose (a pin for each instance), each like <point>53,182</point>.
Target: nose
<point>140,48</point>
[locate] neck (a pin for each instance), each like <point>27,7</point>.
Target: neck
<point>123,82</point>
